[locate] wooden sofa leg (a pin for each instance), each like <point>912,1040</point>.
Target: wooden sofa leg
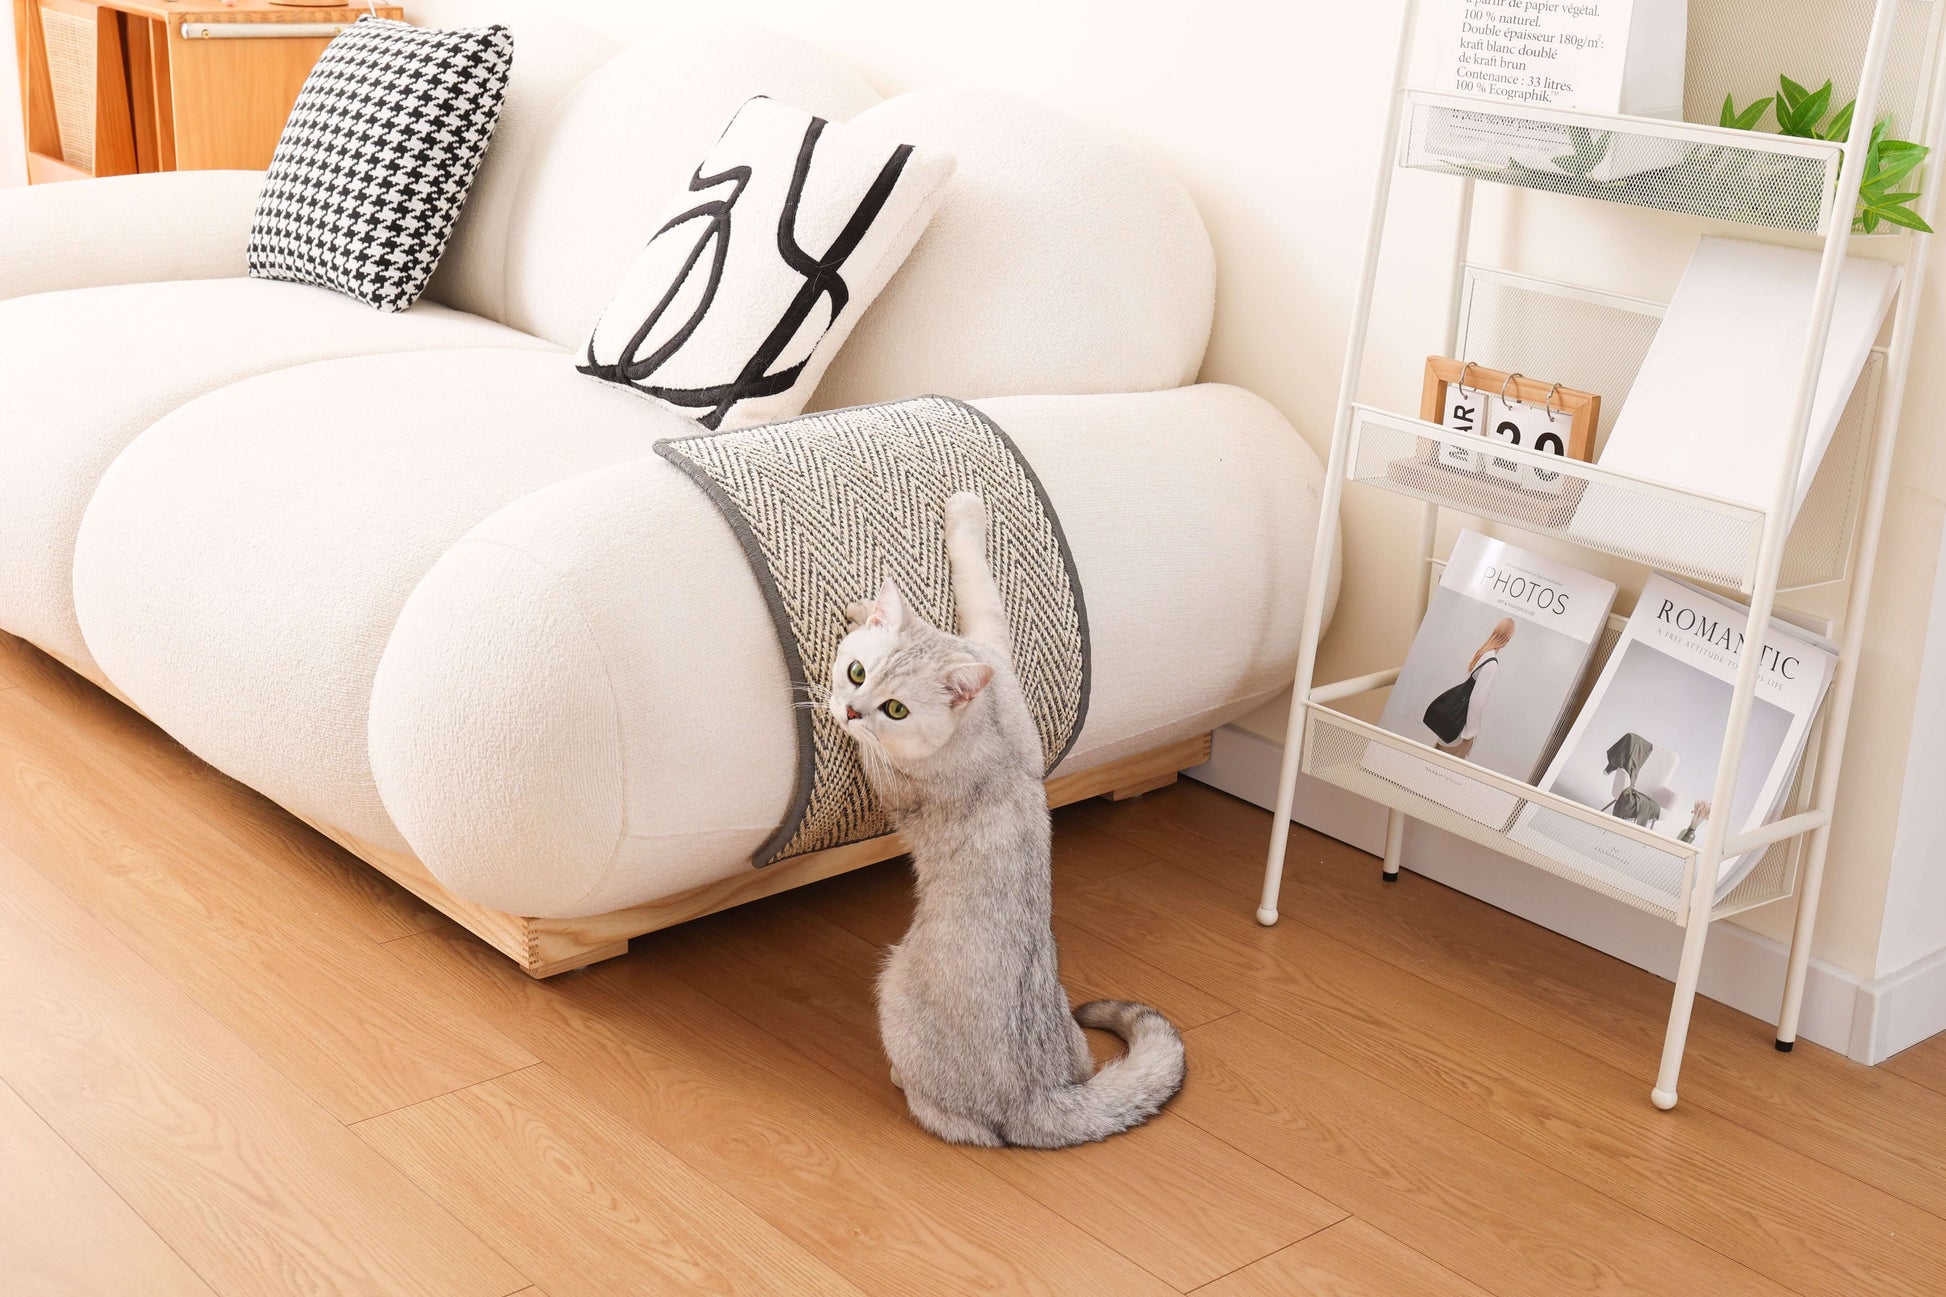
<point>553,947</point>
<point>1142,786</point>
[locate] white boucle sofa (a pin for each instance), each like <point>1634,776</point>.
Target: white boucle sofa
<point>419,581</point>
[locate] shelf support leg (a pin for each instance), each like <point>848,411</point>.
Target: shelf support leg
<point>1864,565</point>
<point>1394,844</point>
<point>1707,863</point>
<point>1334,480</point>
<point>1280,831</point>
<point>1689,972</point>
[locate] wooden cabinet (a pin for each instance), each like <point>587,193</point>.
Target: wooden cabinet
<point>112,87</point>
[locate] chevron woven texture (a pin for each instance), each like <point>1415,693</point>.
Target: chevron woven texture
<point>828,506</point>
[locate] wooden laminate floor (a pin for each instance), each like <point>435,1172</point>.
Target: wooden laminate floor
<point>235,1061</point>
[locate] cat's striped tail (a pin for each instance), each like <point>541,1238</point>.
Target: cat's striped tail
<point>1126,1092</point>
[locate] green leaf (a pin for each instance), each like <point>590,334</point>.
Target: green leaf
<point>1753,115</point>
<point>1888,172</point>
<point>1814,108</point>
<point>1801,118</point>
<point>1746,120</point>
<point>1590,148</point>
<point>1900,215</point>
<point>1790,94</point>
<point>1840,127</point>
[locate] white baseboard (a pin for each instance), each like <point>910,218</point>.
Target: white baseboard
<point>1900,1010</point>
<point>1868,1020</point>
<point>1246,765</point>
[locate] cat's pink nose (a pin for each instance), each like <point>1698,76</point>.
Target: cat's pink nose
<point>851,713</point>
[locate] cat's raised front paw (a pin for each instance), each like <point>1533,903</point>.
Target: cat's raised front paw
<point>965,509</point>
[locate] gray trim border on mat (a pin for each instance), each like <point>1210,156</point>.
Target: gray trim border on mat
<point>669,449</point>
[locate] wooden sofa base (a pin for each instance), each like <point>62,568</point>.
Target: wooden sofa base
<point>544,947</point>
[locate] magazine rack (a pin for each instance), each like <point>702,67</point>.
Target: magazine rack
<point>1890,53</point>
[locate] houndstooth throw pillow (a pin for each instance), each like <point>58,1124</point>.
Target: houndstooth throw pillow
<point>783,237</point>
<point>377,157</point>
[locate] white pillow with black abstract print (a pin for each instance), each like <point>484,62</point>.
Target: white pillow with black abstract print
<point>785,234</point>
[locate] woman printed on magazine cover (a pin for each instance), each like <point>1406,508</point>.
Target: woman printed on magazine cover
<point>1454,717</point>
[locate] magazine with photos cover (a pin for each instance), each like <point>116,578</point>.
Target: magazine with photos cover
<point>1507,639</point>
<point>1647,745</point>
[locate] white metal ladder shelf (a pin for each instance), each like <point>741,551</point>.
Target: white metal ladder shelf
<point>1812,188</point>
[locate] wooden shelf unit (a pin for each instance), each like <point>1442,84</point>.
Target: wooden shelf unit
<point>116,87</point>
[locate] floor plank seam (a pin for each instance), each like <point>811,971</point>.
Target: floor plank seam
<point>1282,1247</point>
<point>444,925</point>
<point>1906,1076</point>
<point>112,1187</point>
<point>1466,1118</point>
<point>899,1114</point>
<point>1735,1114</point>
<point>433,1195</point>
<point>445,1094</point>
<point>1620,1207</point>
<point>190,994</point>
<point>1738,1115</point>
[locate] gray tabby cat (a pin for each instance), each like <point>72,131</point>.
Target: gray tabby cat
<point>971,1008</point>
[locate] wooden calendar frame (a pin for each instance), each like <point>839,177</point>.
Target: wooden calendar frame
<point>1582,409</point>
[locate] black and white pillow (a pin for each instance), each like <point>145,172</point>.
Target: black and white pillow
<point>787,231</point>
<point>377,157</point>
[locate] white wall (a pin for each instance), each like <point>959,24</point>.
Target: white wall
<point>1269,111</point>
<point>1915,902</point>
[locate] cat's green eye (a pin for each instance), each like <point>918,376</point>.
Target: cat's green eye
<point>856,673</point>
<point>897,710</point>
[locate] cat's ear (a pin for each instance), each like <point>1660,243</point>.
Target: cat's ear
<point>966,680</point>
<point>889,609</point>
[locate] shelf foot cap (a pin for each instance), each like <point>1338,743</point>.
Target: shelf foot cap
<point>1784,1046</point>
<point>1663,1099</point>
<point>1390,875</point>
<point>1267,917</point>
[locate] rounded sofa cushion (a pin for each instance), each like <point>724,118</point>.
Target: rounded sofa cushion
<point>620,149</point>
<point>1061,260</point>
<point>243,563</point>
<point>624,584</point>
<point>83,373</point>
<point>1191,515</point>
<point>552,55</point>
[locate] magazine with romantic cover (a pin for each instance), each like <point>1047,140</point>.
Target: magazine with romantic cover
<point>1507,639</point>
<point>1647,744</point>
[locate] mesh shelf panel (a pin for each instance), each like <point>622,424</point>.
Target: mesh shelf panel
<point>1773,878</point>
<point>1694,536</point>
<point>1364,760</point>
<point>1596,342</point>
<point>1738,47</point>
<point>1739,176</point>
<point>1527,326</point>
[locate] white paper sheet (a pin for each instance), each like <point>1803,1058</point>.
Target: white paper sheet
<point>1711,406</point>
<point>1611,56</point>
